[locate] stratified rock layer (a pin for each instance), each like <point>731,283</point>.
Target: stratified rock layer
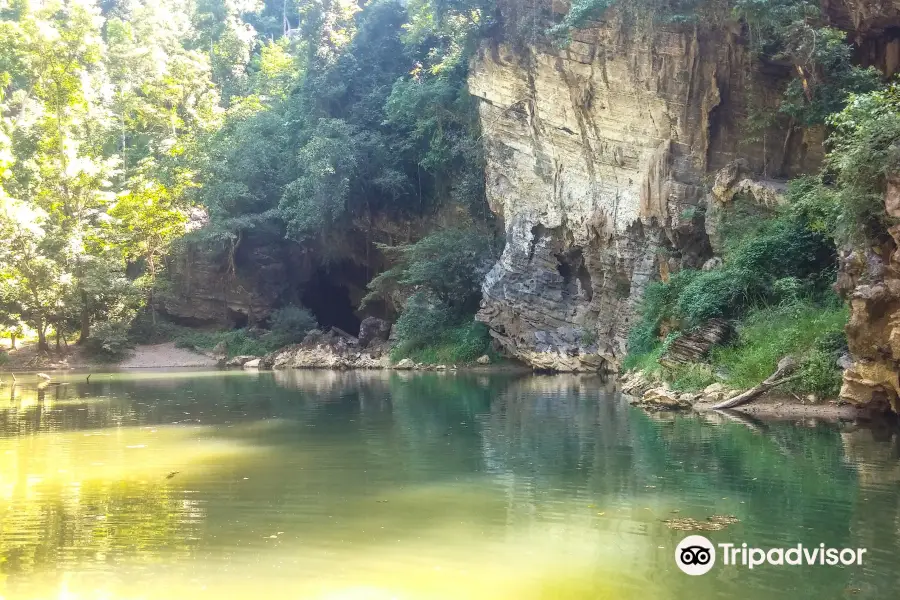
<point>869,278</point>
<point>596,158</point>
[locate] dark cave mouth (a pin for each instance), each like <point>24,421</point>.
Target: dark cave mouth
<point>330,303</point>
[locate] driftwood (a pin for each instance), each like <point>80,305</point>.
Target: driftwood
<point>783,374</point>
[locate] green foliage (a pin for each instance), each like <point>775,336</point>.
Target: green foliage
<point>109,340</point>
<point>92,179</point>
<point>810,331</point>
<point>237,341</point>
<point>443,273</point>
<point>805,330</point>
<point>449,264</point>
<point>646,360</point>
<point>692,377</point>
<point>793,31</point>
<point>423,321</point>
<point>580,13</point>
<point>289,325</point>
<point>431,333</point>
<point>863,151</point>
<point>766,261</point>
<point>317,199</point>
<point>846,201</point>
<point>145,330</point>
<point>658,304</point>
<point>588,337</point>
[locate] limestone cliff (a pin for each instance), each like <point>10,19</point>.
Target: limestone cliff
<point>869,278</point>
<point>599,161</point>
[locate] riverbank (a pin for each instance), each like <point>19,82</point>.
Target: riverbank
<point>326,352</point>
<point>655,396</point>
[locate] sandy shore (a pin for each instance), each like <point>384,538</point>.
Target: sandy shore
<point>159,356</point>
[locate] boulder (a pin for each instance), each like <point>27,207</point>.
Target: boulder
<point>713,388</point>
<point>238,361</point>
<point>405,365</point>
<point>220,349</point>
<point>712,264</point>
<point>636,383</point>
<point>484,359</point>
<point>267,362</point>
<point>662,398</point>
<point>373,329</point>
<point>252,364</point>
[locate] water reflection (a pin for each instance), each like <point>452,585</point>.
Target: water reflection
<point>416,485</point>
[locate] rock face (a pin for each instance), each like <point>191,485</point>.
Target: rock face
<point>870,279</point>
<point>596,157</point>
<point>373,329</point>
<point>694,345</point>
<point>206,292</point>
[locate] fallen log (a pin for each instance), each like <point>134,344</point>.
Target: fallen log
<point>782,375</point>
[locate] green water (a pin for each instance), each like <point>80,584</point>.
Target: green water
<point>418,486</point>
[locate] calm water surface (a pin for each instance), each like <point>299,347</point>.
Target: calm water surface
<point>418,486</point>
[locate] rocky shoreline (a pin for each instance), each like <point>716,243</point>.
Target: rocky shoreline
<point>655,396</point>
<point>338,350</point>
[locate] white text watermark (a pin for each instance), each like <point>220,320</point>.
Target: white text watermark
<point>696,555</point>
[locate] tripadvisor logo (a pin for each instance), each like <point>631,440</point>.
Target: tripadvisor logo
<point>696,555</point>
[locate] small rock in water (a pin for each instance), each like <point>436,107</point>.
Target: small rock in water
<point>662,398</point>
<point>484,359</point>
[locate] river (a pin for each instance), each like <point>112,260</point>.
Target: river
<point>418,486</point>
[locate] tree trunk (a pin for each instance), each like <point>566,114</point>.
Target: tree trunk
<point>12,341</point>
<point>786,366</point>
<point>42,335</point>
<point>56,330</point>
<point>85,320</point>
<point>152,266</point>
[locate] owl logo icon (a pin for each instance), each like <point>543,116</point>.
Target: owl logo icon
<point>695,555</point>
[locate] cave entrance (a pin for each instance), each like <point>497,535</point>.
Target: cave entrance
<point>330,303</point>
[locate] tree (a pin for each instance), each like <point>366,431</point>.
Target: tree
<point>147,219</point>
<point>30,279</point>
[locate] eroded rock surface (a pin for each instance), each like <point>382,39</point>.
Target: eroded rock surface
<point>869,277</point>
<point>596,159</point>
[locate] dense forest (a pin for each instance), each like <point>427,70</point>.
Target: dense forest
<point>293,120</point>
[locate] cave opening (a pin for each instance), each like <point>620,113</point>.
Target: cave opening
<point>571,264</point>
<point>330,302</point>
<point>236,318</point>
